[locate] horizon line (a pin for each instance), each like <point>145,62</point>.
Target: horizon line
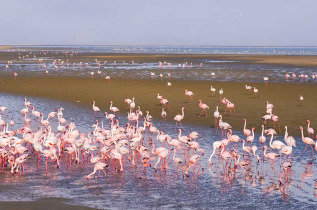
<point>158,45</point>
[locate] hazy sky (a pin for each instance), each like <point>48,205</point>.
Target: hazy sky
<point>164,22</point>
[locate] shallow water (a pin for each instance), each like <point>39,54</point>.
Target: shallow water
<point>133,189</point>
<point>180,68</point>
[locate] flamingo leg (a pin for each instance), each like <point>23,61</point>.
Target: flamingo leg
<point>303,151</point>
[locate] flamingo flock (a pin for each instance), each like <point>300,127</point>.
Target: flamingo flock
<point>108,146</point>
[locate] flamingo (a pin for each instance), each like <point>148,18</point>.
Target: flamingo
<point>270,156</point>
<point>233,138</point>
<point>179,118</point>
<point>183,139</point>
<point>163,115</point>
<point>275,119</point>
<point>301,99</point>
<point>213,90</point>
<point>307,141</point>
<point>165,102</point>
<point>190,94</point>
<point>289,140</point>
<point>262,138</point>
<point>193,160</point>
<point>216,116</point>
<point>220,93</point>
<point>310,130</point>
<point>98,166</point>
<point>114,109</point>
<point>246,132</point>
<point>250,138</point>
<point>161,153</point>
<point>223,125</point>
<point>177,160</point>
<point>204,107</point>
<point>132,104</point>
<point>19,162</point>
<point>95,108</point>
<point>216,145</point>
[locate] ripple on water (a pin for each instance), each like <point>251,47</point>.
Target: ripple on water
<point>132,189</point>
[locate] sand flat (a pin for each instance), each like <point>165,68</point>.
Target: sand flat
<point>284,96</point>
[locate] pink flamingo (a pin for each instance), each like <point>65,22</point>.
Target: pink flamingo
<point>213,90</point>
<point>262,138</point>
<point>179,118</point>
<point>19,162</point>
<point>275,120</point>
<point>289,140</point>
<point>310,130</point>
<point>246,132</point>
<point>307,141</point>
<point>161,153</point>
<point>204,108</point>
<point>114,109</point>
<point>250,138</point>
<point>100,166</point>
<point>270,156</point>
<point>193,160</point>
<point>216,145</point>
<point>165,102</point>
<point>230,106</point>
<point>190,94</point>
<point>223,126</point>
<point>233,138</point>
<point>95,108</point>
<point>216,116</point>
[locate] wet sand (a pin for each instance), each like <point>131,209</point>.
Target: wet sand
<point>284,96</point>
<point>44,203</point>
<point>292,60</point>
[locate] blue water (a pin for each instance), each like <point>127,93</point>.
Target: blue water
<point>255,189</point>
<point>25,61</point>
<point>172,49</point>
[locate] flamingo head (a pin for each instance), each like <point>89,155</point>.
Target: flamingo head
<point>253,129</point>
<point>300,128</point>
<point>307,121</point>
<point>264,147</point>
<point>200,101</point>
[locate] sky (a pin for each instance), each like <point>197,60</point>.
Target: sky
<point>159,22</point>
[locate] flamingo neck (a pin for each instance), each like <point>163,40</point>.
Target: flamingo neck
<point>174,154</point>
<point>286,133</point>
<point>153,148</point>
<point>262,131</point>
<point>223,149</point>
<point>271,140</point>
<point>245,125</point>
<point>183,113</point>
